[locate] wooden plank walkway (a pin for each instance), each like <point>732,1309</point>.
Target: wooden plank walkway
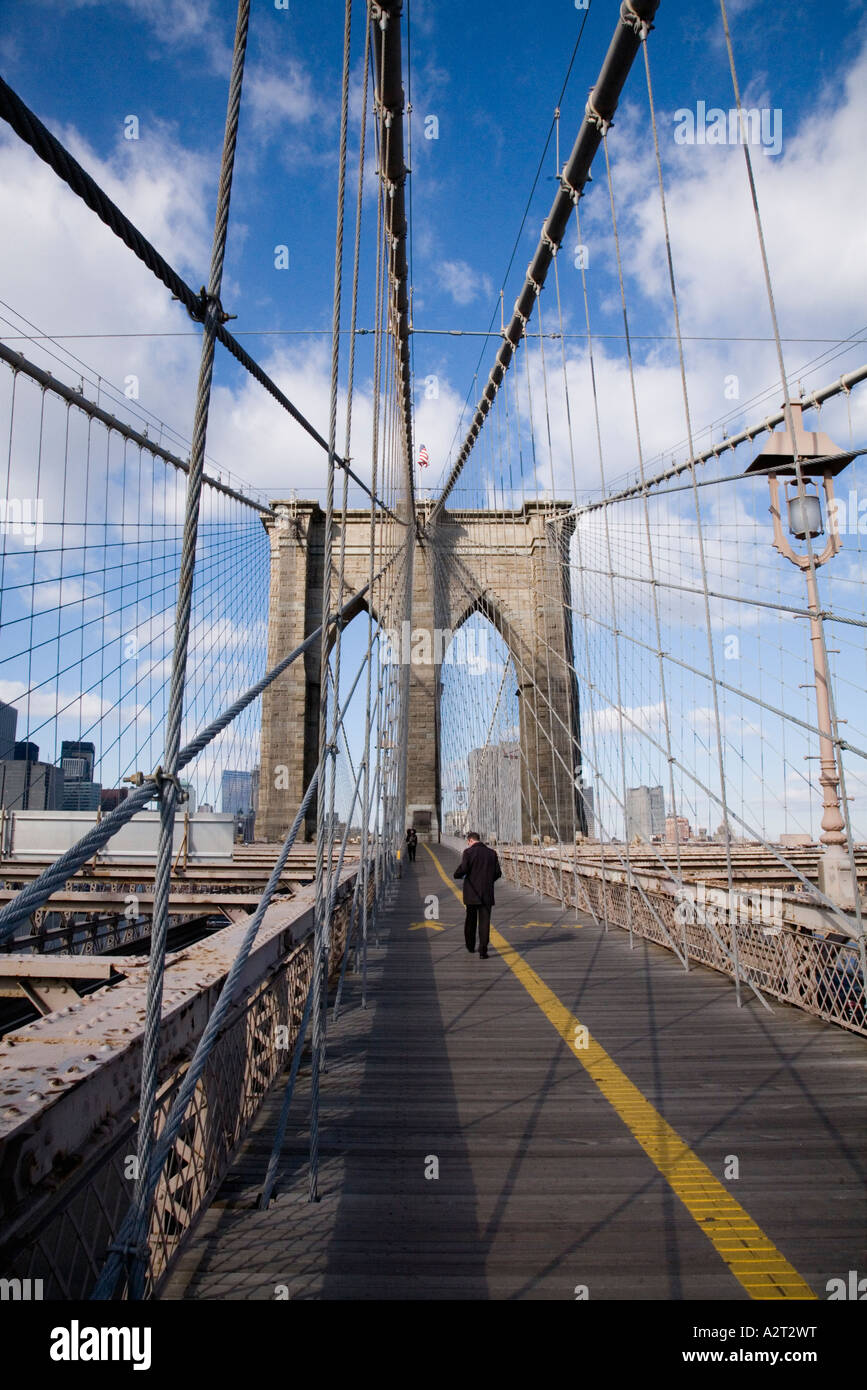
<point>550,1167</point>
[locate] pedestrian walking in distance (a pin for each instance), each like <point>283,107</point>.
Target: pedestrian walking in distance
<point>479,868</point>
<point>411,845</point>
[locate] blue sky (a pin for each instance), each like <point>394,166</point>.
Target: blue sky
<point>491,81</point>
<point>491,76</point>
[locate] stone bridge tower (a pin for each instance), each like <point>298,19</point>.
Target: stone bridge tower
<point>510,566</point>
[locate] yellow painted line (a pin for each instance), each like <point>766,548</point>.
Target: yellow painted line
<point>426,926</point>
<point>752,1258</point>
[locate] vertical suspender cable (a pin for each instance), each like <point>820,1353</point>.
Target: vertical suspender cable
<point>326,749</point>
<point>635,19</point>
<point>699,536</point>
<point>364,865</point>
<point>831,818</point>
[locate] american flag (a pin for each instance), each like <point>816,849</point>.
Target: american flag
<point>423,457</point>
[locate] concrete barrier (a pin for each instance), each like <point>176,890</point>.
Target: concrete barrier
<point>38,836</point>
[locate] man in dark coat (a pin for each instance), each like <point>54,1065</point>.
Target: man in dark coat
<point>479,868</point>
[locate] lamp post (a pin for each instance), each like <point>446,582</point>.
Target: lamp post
<point>801,462</point>
<point>460,802</point>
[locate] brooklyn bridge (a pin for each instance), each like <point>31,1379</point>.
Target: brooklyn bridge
<point>245,1052</point>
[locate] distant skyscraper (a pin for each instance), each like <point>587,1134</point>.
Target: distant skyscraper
<point>645,812</point>
<point>45,792</point>
<point>677,828</point>
<point>82,796</point>
<point>8,726</point>
<point>587,796</point>
<point>14,783</point>
<point>189,805</point>
<point>28,785</point>
<point>112,797</point>
<point>495,792</point>
<point>236,792</point>
<point>77,760</point>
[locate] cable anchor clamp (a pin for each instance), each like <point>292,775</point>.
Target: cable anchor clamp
<point>574,193</point>
<point>595,118</point>
<point>632,19</point>
<point>160,780</point>
<point>212,301</point>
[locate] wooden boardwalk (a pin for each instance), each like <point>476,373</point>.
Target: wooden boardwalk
<point>555,1173</point>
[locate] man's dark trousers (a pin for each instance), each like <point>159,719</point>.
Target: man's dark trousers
<point>478,914</point>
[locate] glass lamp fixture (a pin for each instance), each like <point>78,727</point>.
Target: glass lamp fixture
<point>818,457</point>
<point>805,513</point>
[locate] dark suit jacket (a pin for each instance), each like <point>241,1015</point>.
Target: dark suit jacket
<point>479,867</point>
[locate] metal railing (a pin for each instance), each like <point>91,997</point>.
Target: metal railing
<point>63,1235</point>
<point>820,974</point>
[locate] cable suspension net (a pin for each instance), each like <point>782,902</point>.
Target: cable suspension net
<point>90,556</point>
<point>688,740</point>
<point>630,626</point>
<point>143,652</point>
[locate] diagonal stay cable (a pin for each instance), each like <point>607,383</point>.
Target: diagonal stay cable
<point>28,126</point>
<point>168,786</point>
<point>19,363</point>
<point>841,386</point>
<point>633,22</point>
<point>520,232</point>
<point>107,1281</point>
<point>37,893</point>
<point>264,1200</point>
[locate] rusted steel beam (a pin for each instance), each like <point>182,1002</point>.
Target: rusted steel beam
<point>66,1079</point>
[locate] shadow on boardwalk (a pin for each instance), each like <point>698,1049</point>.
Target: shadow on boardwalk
<point>541,1186</point>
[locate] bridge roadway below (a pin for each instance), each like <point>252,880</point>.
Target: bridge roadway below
<point>606,1168</point>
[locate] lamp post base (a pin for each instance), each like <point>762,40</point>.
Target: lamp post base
<point>835,877</point>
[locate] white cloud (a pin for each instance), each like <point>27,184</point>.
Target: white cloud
<point>44,704</point>
<point>636,719</point>
<point>814,239</point>
<point>279,95</point>
<point>69,273</point>
<point>464,284</point>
